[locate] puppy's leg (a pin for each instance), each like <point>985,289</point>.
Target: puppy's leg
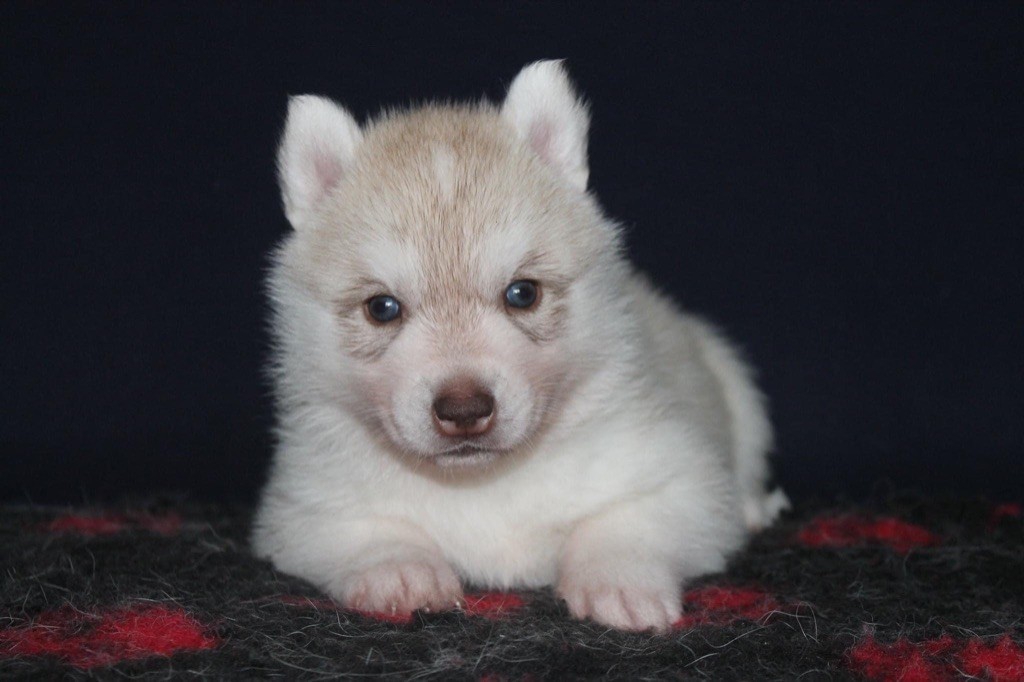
<point>404,580</point>
<point>376,564</point>
<point>625,567</point>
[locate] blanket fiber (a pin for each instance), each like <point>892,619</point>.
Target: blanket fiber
<point>900,588</point>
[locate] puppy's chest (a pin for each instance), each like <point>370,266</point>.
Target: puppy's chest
<point>501,543</point>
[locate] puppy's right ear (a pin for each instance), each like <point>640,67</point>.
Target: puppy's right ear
<point>317,149</point>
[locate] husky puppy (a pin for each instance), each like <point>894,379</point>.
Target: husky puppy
<point>473,383</point>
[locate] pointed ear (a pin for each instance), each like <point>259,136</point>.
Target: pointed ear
<point>544,109</point>
<point>319,142</point>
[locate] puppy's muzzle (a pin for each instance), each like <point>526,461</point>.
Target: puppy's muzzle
<point>463,410</point>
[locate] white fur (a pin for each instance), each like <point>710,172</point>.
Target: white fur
<point>629,448</point>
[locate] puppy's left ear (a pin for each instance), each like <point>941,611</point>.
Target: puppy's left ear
<point>317,149</point>
<point>549,116</point>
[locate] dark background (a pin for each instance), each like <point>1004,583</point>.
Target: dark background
<point>840,185</point>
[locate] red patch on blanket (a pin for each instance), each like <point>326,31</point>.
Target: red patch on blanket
<point>999,662</point>
<point>939,659</point>
<point>900,660</point>
<point>109,523</point>
<point>492,605</point>
<point>105,524</point>
<point>850,531</point>
<point>89,640</point>
<point>1007,510</point>
<point>724,605</point>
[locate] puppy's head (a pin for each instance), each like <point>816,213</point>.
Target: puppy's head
<point>446,266</point>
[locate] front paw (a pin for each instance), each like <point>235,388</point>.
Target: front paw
<point>621,603</point>
<point>403,586</point>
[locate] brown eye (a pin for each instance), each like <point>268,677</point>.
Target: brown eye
<point>383,309</point>
<point>522,294</point>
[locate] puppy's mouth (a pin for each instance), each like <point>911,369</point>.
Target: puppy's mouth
<point>466,454</point>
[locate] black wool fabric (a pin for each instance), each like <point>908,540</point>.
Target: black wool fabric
<point>881,589</point>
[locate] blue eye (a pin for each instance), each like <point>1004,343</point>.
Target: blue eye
<point>521,294</point>
<point>384,308</point>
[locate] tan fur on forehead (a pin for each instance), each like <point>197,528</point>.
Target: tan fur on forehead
<point>452,166</point>
<point>440,181</point>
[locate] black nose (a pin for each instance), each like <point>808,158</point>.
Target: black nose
<point>463,410</point>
